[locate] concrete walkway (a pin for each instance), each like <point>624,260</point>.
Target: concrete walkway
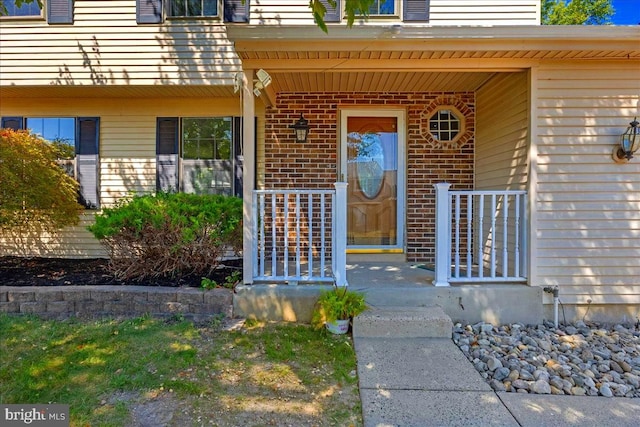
<point>411,375</point>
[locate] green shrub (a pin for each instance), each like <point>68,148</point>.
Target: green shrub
<point>35,192</point>
<point>169,234</point>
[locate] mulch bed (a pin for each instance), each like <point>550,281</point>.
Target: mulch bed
<point>17,271</point>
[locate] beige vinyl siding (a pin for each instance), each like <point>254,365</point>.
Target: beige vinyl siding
<point>588,207</point>
<point>105,46</point>
<point>489,12</point>
<point>71,242</point>
<point>127,156</point>
<point>441,12</point>
<point>501,163</point>
<point>502,135</point>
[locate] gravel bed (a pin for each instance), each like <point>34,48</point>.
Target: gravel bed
<point>582,359</point>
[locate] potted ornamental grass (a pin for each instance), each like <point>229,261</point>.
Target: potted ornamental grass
<point>336,308</point>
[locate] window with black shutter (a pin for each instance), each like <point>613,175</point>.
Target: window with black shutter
<point>77,140</point>
<point>200,155</point>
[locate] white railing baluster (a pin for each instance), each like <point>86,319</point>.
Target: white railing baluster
<point>505,229</point>
<point>298,234</point>
<point>310,221</point>
<point>516,235</point>
<point>469,234</point>
<point>263,248</point>
<point>481,237</point>
<point>274,241</point>
<point>257,249</point>
<point>322,236</point>
<point>286,235</point>
<point>493,236</point>
<point>456,223</point>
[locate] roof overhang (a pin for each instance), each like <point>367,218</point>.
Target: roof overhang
<point>301,58</point>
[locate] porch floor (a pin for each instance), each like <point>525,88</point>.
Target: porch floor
<point>381,275</point>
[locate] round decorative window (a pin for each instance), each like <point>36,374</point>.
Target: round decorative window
<point>447,123</point>
<point>444,125</point>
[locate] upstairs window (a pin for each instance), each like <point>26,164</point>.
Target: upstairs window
<point>193,8</point>
<point>407,10</point>
<point>154,11</point>
<point>384,8</point>
<point>58,11</point>
<point>25,10</point>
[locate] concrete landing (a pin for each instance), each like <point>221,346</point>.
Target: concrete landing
<point>407,322</point>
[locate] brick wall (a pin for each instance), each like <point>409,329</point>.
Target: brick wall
<point>288,164</point>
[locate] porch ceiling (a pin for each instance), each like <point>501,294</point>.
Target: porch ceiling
<point>361,81</point>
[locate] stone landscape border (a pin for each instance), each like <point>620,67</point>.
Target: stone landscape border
<point>62,302</point>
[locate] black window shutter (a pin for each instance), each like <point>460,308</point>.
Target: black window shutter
<point>15,123</point>
<point>416,10</point>
<point>167,154</point>
<point>235,11</point>
<point>148,11</point>
<point>60,11</point>
<point>87,129</point>
<point>333,13</point>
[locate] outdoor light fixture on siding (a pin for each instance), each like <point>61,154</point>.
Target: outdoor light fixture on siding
<point>301,128</point>
<point>629,143</point>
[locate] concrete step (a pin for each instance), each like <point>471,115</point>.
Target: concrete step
<point>403,322</point>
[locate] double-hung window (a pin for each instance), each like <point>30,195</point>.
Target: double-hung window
<point>25,10</point>
<point>57,11</point>
<point>384,8</point>
<point>77,141</point>
<point>154,11</point>
<point>407,10</point>
<point>192,8</point>
<point>200,155</point>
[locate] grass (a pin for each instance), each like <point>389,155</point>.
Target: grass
<point>111,372</point>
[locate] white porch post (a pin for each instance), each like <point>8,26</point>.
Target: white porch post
<point>340,235</point>
<point>443,234</point>
<point>247,103</point>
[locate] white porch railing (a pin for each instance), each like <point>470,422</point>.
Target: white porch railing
<point>300,235</point>
<point>480,236</point>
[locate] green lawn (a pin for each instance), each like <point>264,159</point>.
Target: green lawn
<point>111,373</point>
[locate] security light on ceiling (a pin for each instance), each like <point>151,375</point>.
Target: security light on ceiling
<point>264,80</point>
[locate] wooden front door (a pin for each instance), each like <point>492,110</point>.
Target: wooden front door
<point>373,166</point>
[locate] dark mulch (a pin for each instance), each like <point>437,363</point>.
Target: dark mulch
<point>16,271</point>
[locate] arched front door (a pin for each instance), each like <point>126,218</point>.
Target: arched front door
<point>373,164</point>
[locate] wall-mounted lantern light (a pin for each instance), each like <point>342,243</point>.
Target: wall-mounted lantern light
<point>301,128</point>
<point>629,143</point>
